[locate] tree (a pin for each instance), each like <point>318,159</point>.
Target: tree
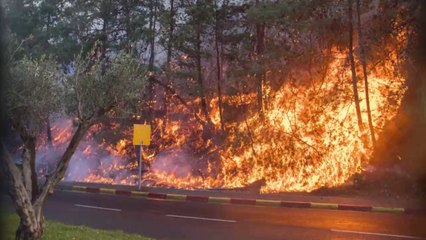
<point>190,41</point>
<point>364,72</point>
<point>219,21</point>
<point>260,46</point>
<point>153,9</point>
<point>90,94</point>
<point>353,70</point>
<point>167,22</point>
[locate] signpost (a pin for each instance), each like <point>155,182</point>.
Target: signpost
<point>141,136</point>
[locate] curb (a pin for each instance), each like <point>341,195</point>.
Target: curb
<point>244,201</point>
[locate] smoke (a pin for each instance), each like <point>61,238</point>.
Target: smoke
<point>174,162</point>
<point>96,160</point>
<point>90,159</point>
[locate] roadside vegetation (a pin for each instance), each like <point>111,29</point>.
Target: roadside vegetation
<point>59,231</point>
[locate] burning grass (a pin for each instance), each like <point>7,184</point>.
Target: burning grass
<point>307,139</point>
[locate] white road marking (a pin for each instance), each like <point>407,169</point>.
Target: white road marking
<point>202,218</point>
<point>95,207</point>
<point>377,234</point>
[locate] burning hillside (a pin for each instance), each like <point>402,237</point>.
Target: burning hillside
<point>308,137</point>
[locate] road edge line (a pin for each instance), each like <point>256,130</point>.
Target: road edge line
<point>244,201</point>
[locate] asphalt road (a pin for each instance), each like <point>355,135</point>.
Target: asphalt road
<point>163,219</point>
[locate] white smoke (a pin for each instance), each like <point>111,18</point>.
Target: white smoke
<point>173,161</point>
<point>89,158</point>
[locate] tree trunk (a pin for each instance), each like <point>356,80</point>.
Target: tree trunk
<point>260,35</point>
<point>32,231</point>
<point>129,30</point>
<point>49,134</point>
<point>152,23</point>
<point>31,219</point>
<point>31,146</point>
<point>218,66</point>
<point>62,164</point>
<point>200,74</point>
<point>354,78</point>
<point>106,17</point>
<point>26,171</point>
<point>171,30</point>
<point>28,159</point>
<point>169,58</point>
<point>364,70</point>
<point>150,90</point>
<point>29,205</point>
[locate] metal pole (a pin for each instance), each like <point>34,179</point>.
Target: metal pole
<point>140,166</point>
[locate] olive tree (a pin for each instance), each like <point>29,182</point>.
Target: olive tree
<point>94,89</point>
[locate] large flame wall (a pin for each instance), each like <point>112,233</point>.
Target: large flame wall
<point>308,138</point>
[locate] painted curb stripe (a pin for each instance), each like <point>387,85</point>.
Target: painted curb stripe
<point>243,201</point>
<point>295,204</point>
<point>273,203</point>
<point>385,209</point>
<point>107,190</point>
<point>139,193</point>
<point>219,200</point>
<point>79,188</point>
<point>92,190</point>
<point>123,192</point>
<point>197,198</point>
<point>324,205</point>
<point>157,195</point>
<point>354,207</point>
<point>268,203</point>
<point>177,197</point>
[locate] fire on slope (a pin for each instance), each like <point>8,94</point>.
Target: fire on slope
<point>308,138</point>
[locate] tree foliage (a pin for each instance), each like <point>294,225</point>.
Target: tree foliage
<point>34,91</point>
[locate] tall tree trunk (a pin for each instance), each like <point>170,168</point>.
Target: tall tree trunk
<point>364,70</point>
<point>129,30</point>
<point>200,73</point>
<point>105,14</point>
<point>150,90</point>
<point>152,23</point>
<point>218,38</point>
<point>353,70</point>
<point>260,36</point>
<point>169,58</point>
<point>171,30</point>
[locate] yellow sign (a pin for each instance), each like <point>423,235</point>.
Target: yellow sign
<point>141,134</point>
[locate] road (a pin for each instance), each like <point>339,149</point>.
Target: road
<point>163,219</point>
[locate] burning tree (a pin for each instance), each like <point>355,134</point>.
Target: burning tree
<point>94,89</point>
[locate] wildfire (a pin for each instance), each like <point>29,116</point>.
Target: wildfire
<point>310,138</point>
<point>307,138</point>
